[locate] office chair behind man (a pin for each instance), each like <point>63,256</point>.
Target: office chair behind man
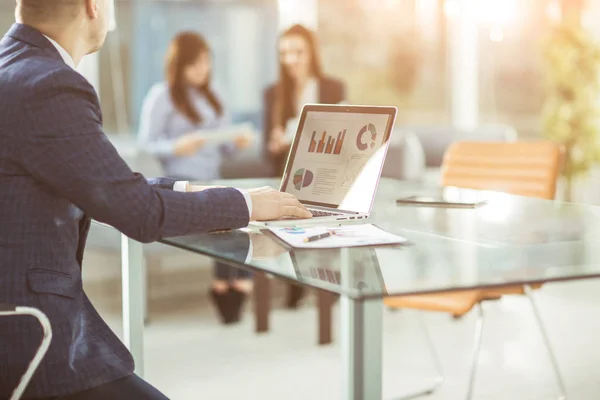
<point>7,310</point>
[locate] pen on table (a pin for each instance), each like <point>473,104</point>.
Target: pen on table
<point>318,237</point>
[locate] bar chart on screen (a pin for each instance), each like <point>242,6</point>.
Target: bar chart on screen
<point>327,144</point>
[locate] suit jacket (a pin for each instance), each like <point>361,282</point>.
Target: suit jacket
<point>234,246</point>
<point>331,91</point>
<point>58,170</point>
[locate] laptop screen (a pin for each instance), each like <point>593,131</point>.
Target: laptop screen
<point>337,156</point>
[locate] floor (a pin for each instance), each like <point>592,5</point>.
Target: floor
<point>190,356</point>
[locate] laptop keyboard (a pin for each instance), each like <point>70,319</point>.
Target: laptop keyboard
<point>316,213</point>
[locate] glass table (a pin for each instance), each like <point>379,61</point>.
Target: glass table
<point>510,240</point>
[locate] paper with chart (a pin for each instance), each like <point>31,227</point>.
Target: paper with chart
<point>339,158</point>
<point>344,236</point>
<point>227,134</point>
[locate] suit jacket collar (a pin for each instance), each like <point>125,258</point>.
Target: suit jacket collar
<point>27,34</point>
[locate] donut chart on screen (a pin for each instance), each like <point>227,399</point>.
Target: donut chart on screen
<point>303,178</point>
<point>366,137</point>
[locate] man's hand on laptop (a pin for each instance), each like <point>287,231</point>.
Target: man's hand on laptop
<point>269,204</point>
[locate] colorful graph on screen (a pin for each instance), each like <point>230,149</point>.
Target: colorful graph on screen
<point>366,137</point>
<point>303,178</point>
<point>329,146</point>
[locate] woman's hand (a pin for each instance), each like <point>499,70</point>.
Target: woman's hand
<point>242,141</point>
<point>188,145</point>
<point>277,141</point>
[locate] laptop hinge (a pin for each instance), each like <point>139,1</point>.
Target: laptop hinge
<point>329,209</point>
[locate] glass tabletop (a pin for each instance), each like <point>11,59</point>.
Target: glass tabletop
<point>508,240</point>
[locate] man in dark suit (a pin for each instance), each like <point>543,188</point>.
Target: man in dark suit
<point>58,170</point>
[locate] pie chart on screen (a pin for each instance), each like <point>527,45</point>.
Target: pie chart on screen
<point>366,137</point>
<point>302,178</point>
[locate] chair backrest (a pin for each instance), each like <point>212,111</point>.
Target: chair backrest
<point>435,140</point>
<point>520,168</point>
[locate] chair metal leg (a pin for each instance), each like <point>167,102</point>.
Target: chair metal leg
<point>41,350</point>
<point>434,353</point>
<point>439,379</point>
<point>538,317</point>
<point>476,350</point>
<point>132,261</point>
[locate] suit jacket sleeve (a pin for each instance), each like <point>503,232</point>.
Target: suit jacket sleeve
<point>66,150</point>
<point>163,183</point>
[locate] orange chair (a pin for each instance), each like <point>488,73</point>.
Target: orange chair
<point>519,168</point>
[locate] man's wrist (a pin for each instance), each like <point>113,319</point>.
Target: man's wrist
<point>248,201</point>
<point>181,186</point>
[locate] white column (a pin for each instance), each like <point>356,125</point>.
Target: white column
<point>244,26</point>
<point>305,12</point>
<point>89,65</point>
<point>89,68</point>
<point>464,63</point>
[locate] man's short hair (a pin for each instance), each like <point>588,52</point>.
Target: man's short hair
<point>48,10</point>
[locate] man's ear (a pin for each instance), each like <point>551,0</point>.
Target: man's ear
<point>91,8</point>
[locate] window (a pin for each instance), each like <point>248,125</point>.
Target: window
<point>389,52</point>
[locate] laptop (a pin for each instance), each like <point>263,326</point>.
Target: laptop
<point>335,162</point>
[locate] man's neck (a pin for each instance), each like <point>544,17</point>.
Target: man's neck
<point>66,37</point>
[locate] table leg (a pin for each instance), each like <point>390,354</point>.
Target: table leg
<point>145,290</point>
<point>325,302</point>
<point>361,339</point>
<point>262,300</point>
<point>132,273</point>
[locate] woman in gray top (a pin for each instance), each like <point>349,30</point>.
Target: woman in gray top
<point>173,114</point>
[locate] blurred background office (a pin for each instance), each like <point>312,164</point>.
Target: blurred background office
<point>448,65</point>
<point>388,51</point>
<point>483,70</point>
